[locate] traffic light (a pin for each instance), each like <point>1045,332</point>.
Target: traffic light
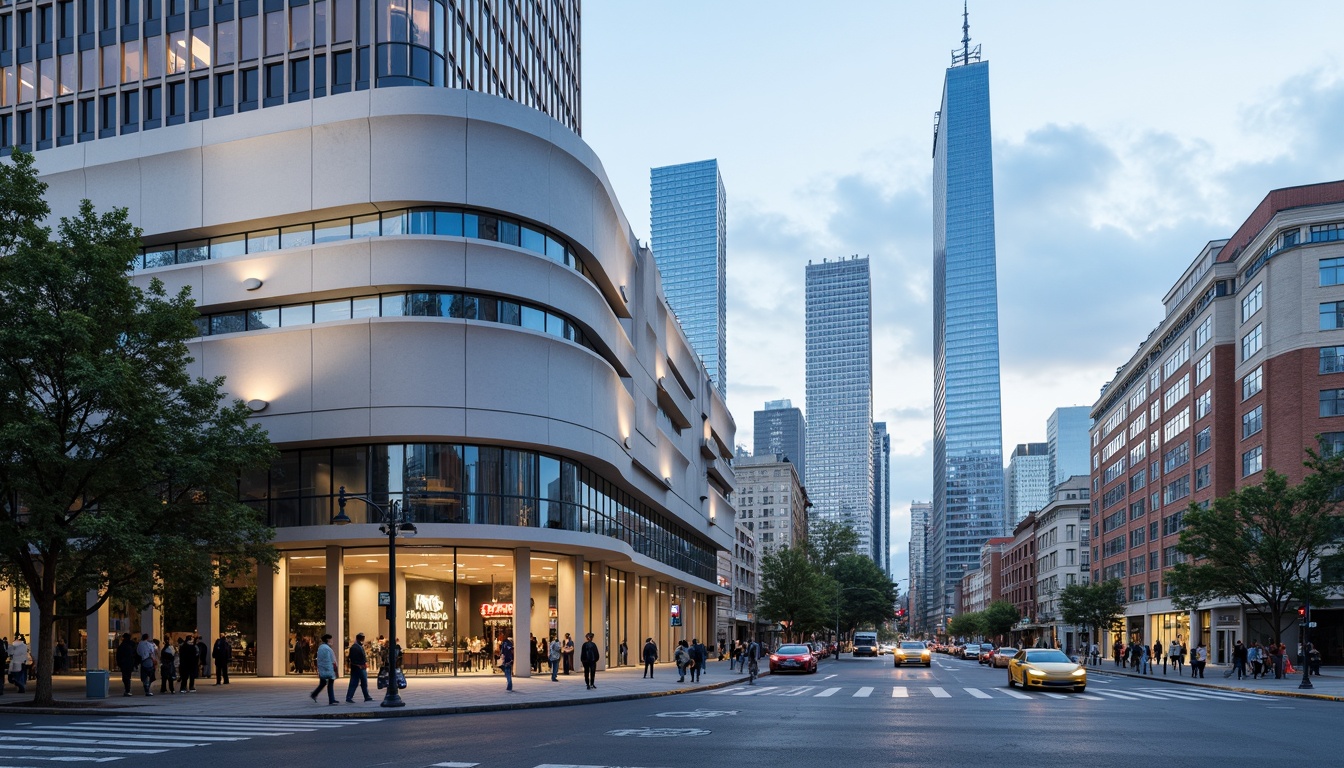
<point>1302,613</point>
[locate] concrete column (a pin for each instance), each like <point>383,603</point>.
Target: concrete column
<point>601,624</point>
<point>207,622</point>
<point>272,629</point>
<point>97,625</point>
<point>365,615</point>
<point>569,592</point>
<point>335,592</point>
<point>633,632</point>
<point>522,610</point>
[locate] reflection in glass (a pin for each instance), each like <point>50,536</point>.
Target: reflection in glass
<point>366,306</point>
<point>228,246</point>
<point>297,236</point>
<point>331,231</point>
<point>327,311</point>
<point>298,314</point>
<point>263,240</point>
<point>258,319</point>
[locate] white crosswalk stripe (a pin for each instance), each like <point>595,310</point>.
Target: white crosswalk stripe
<point>1114,695</point>
<point>939,693</point>
<point>116,738</point>
<point>1015,694</point>
<point>979,694</point>
<point>827,692</point>
<point>900,692</point>
<point>906,692</point>
<point>863,693</point>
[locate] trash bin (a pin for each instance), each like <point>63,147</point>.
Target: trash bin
<point>97,683</point>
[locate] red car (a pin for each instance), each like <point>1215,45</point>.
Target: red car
<point>793,658</point>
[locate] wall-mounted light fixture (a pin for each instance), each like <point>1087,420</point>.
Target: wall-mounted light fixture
<point>625,441</point>
<point>257,405</point>
<point>252,283</point>
<point>667,480</point>
<point>624,298</point>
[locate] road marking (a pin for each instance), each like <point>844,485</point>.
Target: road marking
<point>798,690</point>
<point>1145,695</point>
<point>827,692</point>
<point>1115,695</point>
<point>1087,696</point>
<point>939,693</point>
<point>828,677</point>
<point>1014,694</point>
<point>863,692</point>
<point>1054,695</point>
<point>45,748</point>
<point>454,765</point>
<point>750,691</point>
<point>900,692</point>
<point>977,693</point>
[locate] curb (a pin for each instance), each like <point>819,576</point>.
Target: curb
<point>1238,689</point>
<point>380,713</point>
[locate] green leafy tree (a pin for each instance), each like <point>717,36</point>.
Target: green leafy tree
<point>119,472</point>
<point>866,597</point>
<point>1262,545</point>
<point>998,619</point>
<point>828,542</point>
<point>1100,607</point>
<point>793,592</point>
<point>966,624</point>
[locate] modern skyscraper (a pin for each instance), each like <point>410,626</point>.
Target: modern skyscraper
<point>968,502</point>
<point>781,429</point>
<point>882,497</point>
<point>688,212</point>
<point>840,394</point>
<point>399,281</point>
<point>1066,432</point>
<point>919,570</point>
<point>1027,482</point>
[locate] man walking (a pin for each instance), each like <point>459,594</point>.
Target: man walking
<point>168,668</point>
<point>553,656</point>
<point>189,664</point>
<point>649,656</point>
<point>127,661</point>
<point>222,653</point>
<point>588,657</point>
<point>753,654</point>
<point>359,670</point>
<point>1239,657</point>
<point>506,662</point>
<point>699,656</point>
<point>326,671</point>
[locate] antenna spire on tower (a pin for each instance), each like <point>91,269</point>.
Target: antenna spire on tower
<point>967,54</point>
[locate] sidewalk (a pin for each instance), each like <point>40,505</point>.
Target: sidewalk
<point>1328,686</point>
<point>423,695</point>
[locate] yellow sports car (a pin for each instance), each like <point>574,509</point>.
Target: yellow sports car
<point>1046,668</point>
<point>911,652</point>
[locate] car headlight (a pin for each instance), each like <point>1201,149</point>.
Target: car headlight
<point>1079,672</point>
<point>774,657</point>
<point>1036,672</point>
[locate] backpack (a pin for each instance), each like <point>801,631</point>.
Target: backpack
<point>682,655</point>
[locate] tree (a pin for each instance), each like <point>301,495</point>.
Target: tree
<point>827,542</point>
<point>793,592</point>
<point>1097,606</point>
<point>998,619</point>
<point>1261,545</point>
<point>119,471</point>
<point>965,625</point>
<point>864,593</point>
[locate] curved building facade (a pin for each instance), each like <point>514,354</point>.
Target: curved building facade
<point>431,296</point>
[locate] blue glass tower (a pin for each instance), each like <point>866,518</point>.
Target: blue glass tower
<point>688,215</point>
<point>968,495</point>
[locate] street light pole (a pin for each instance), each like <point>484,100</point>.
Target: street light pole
<point>392,524</point>
<point>1306,633</point>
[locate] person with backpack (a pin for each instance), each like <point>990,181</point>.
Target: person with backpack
<point>506,661</point>
<point>588,656</point>
<point>683,658</point>
<point>168,668</point>
<point>554,658</point>
<point>699,657</point>
<point>753,654</point>
<point>222,654</point>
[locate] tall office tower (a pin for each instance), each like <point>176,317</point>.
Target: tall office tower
<point>412,315</point>
<point>1026,482</point>
<point>840,394</point>
<point>968,503</point>
<point>882,497</point>
<point>1066,432</point>
<point>781,429</point>
<point>688,211</point>
<point>919,566</point>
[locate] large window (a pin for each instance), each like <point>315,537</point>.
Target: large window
<point>1203,404</point>
<point>1332,402</point>
<point>1180,357</point>
<point>1251,342</point>
<point>1204,332</point>
<point>1332,270</point>
<point>1252,383</point>
<point>1251,461</point>
<point>1252,421</point>
<point>1204,368</point>
<point>1203,439</point>
<point>1332,315</point>
<point>1324,233</point>
<point>1252,302</point>
<point>1176,490</point>
<point>1176,457</point>
<point>1332,360</point>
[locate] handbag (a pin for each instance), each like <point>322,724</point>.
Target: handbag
<point>401,680</point>
<point>382,678</point>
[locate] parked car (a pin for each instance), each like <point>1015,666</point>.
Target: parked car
<point>970,651</point>
<point>1002,656</point>
<point>986,651</point>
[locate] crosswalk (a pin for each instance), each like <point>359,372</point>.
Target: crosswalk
<point>986,692</point>
<point>109,739</point>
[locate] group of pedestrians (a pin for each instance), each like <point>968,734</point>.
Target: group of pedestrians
<point>17,661</point>
<point>176,665</point>
<point>690,657</point>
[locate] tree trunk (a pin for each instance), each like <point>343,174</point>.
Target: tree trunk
<point>46,642</point>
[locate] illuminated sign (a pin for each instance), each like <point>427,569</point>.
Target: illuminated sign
<point>428,614</point>
<point>505,610</point>
<point>676,614</point>
<point>428,603</point>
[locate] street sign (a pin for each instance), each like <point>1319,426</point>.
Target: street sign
<point>385,598</point>
<point>1311,625</point>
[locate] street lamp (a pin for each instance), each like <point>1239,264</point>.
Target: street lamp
<point>394,524</point>
<point>1306,632</point>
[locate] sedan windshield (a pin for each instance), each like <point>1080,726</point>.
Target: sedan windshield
<point>912,646</point>
<point>792,650</point>
<point>1048,657</point>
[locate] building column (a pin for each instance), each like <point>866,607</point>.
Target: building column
<point>207,622</point>
<point>601,628</point>
<point>522,610</point>
<point>335,593</point>
<point>96,627</point>
<point>272,607</point>
<point>633,631</point>
<point>569,590</point>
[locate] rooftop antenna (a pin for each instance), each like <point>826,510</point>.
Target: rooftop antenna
<point>967,53</point>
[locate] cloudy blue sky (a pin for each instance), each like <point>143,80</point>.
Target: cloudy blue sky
<point>1126,136</point>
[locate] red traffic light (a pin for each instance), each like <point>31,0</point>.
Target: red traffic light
<point>1302,612</point>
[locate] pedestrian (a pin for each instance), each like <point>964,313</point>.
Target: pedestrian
<point>1096,654</point>
<point>506,661</point>
<point>301,655</point>
<point>1176,652</point>
<point>699,657</point>
<point>1145,655</point>
<point>127,661</point>
<point>623,652</point>
<point>1199,660</point>
<point>649,655</point>
<point>753,654</point>
<point>1313,660</point>
<point>567,653</point>
<point>60,657</point>
<point>222,654</point>
<point>535,656</point>
<point>144,655</point>
<point>682,656</point>
<point>167,667</point>
<point>1157,656</point>
<point>203,655</point>
<point>1254,659</point>
<point>188,664</point>
<point>326,671</point>
<point>588,657</point>
<point>359,670</point>
<point>1118,650</point>
<point>553,655</point>
<point>1239,657</point>
<point>19,658</point>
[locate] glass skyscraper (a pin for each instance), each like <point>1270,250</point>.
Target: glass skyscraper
<point>1027,483</point>
<point>840,395</point>
<point>688,214</point>
<point>968,497</point>
<point>882,497</point>
<point>781,429</point>
<point>1066,432</point>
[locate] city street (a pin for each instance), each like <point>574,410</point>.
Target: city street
<point>853,712</point>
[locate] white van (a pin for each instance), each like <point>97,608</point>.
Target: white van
<point>865,644</point>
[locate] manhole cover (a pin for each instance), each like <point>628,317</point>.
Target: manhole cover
<point>699,713</point>
<point>658,733</point>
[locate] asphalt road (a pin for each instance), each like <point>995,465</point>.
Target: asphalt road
<point>853,712</point>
